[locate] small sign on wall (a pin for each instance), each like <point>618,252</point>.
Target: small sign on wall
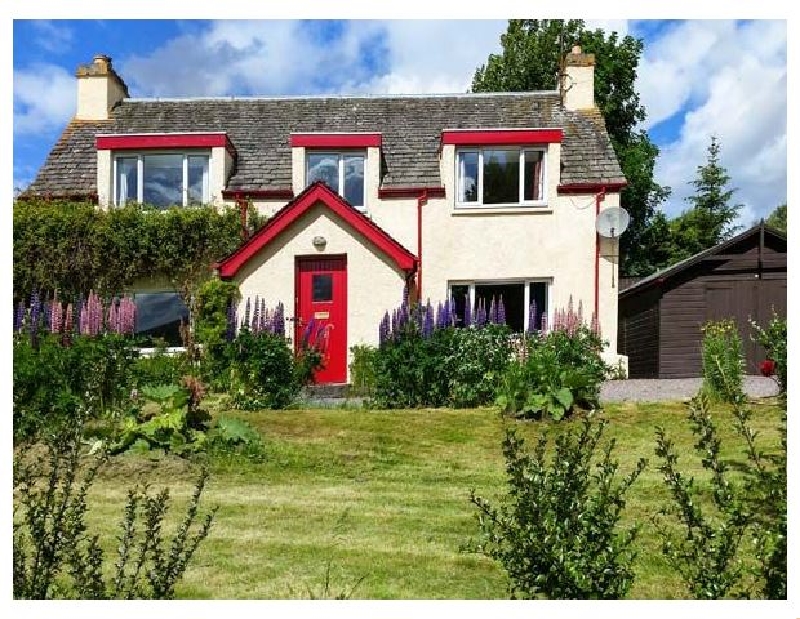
<point>322,315</point>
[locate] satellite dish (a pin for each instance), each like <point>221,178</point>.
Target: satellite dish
<point>612,222</point>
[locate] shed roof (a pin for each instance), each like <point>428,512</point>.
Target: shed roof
<point>687,263</point>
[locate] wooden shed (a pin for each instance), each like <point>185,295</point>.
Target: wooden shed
<point>661,316</point>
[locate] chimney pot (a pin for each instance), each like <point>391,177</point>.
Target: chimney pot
<point>576,49</point>
<point>102,60</point>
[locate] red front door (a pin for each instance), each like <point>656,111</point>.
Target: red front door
<point>321,312</point>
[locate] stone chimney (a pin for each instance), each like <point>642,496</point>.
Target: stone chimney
<point>99,89</point>
<point>577,82</point>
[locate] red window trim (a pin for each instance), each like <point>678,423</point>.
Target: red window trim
<point>145,141</point>
<point>335,140</point>
<point>480,137</point>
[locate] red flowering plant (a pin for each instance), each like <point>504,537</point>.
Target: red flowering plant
<point>767,368</point>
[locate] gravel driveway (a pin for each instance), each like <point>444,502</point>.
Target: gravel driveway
<point>664,389</point>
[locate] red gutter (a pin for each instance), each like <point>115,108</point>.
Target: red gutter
<point>410,192</point>
<point>577,188</point>
<point>421,200</point>
<point>257,194</point>
<point>597,199</point>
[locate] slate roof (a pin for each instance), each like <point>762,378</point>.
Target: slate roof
<point>259,129</point>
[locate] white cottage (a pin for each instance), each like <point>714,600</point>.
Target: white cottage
<point>468,196</point>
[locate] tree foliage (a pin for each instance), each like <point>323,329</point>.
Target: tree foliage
<point>711,218</point>
<point>777,219</point>
<point>530,60</point>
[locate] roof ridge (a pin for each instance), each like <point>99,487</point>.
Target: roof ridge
<point>462,95</point>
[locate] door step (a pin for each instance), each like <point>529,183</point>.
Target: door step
<point>326,391</point>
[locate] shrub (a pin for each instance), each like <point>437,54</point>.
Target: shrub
<point>262,371</point>
<point>214,300</point>
<point>362,370</point>
<point>54,555</point>
<point>723,361</point>
<point>72,247</point>
<point>773,339</point>
<point>421,364</point>
<point>160,368</point>
<point>50,378</point>
<point>475,363</point>
<point>557,533</point>
<point>705,553</point>
<point>558,370</point>
<point>178,425</point>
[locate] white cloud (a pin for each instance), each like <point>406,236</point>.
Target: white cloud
<point>729,80</point>
<point>287,57</point>
<point>256,57</point>
<point>52,36</point>
<point>44,98</point>
<point>434,56</point>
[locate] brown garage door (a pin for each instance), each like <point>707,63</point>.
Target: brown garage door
<point>742,300</point>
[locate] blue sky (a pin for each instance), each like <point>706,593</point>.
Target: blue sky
<point>697,78</point>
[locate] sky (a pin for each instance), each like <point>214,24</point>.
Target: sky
<point>697,78</point>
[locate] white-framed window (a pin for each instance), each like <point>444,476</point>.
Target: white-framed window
<point>162,179</point>
<point>341,171</point>
<point>500,176</point>
<point>518,297</point>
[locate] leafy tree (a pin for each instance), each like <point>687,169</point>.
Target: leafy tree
<point>777,219</point>
<point>710,220</point>
<point>530,60</point>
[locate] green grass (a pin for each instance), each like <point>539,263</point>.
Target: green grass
<point>385,496</point>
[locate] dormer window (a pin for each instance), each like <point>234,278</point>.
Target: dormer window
<point>501,167</point>
<point>162,169</point>
<point>341,171</point>
<point>161,180</point>
<point>500,176</point>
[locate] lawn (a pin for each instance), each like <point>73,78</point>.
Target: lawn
<point>381,500</point>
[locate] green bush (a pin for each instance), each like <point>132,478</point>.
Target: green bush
<point>177,425</point>
<point>557,371</point>
<point>211,326</point>
<point>723,361</point>
<point>55,556</point>
<point>362,370</point>
<point>74,247</point>
<point>475,363</point>
<point>159,368</point>
<point>557,533</point>
<point>51,379</point>
<point>773,339</point>
<point>450,367</point>
<point>263,372</point>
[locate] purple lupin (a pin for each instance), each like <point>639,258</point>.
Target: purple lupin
<point>246,321</point>
<point>265,322</point>
<point>427,326</point>
<point>34,324</point>
<point>254,326</point>
<point>19,317</point>
<point>501,312</point>
<point>492,317</point>
<point>467,312</point>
